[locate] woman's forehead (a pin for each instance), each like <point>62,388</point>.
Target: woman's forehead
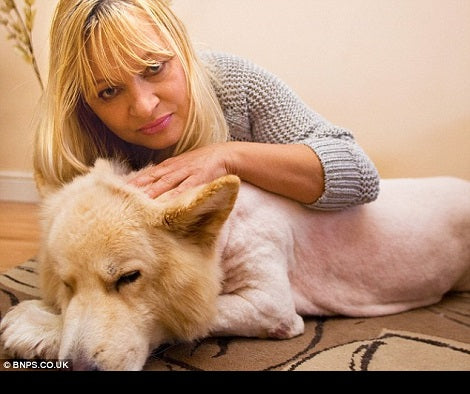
<point>112,52</point>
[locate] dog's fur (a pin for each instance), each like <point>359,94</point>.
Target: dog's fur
<point>121,273</point>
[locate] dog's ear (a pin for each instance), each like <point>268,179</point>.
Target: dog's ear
<point>103,169</point>
<point>200,214</point>
<point>106,167</point>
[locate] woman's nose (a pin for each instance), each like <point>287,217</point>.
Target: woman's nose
<point>142,99</point>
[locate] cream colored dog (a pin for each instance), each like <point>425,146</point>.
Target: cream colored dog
<point>121,273</point>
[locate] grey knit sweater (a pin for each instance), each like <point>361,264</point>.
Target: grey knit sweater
<point>259,107</point>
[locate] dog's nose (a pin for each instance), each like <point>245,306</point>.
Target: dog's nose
<point>84,364</point>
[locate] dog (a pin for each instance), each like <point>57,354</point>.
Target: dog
<point>122,273</point>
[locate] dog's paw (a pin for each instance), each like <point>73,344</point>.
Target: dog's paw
<point>31,330</point>
<point>287,328</point>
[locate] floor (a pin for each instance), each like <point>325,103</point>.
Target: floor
<point>19,233</point>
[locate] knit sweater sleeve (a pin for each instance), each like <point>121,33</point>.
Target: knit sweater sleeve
<point>259,107</point>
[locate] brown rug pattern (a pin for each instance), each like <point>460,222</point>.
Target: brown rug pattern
<point>434,338</point>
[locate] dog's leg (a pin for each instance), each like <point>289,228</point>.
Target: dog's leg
<point>255,313</point>
<point>30,330</point>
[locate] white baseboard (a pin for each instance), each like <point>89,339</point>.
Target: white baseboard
<point>18,186</point>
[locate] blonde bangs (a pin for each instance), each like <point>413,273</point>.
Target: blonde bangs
<point>114,44</point>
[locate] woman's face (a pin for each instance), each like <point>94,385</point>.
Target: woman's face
<point>150,108</point>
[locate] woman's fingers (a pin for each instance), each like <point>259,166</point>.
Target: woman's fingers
<point>160,186</point>
<point>182,172</point>
<point>142,180</point>
<point>150,174</point>
<point>187,184</point>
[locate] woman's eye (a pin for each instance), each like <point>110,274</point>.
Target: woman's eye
<point>127,278</point>
<point>108,93</point>
<point>154,69</point>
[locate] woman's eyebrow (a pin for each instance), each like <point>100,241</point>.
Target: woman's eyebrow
<point>146,56</point>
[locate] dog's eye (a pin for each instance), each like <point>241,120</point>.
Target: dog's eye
<point>127,278</point>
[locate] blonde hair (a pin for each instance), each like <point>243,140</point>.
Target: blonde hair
<point>70,137</point>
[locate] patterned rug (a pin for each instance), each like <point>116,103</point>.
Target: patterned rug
<point>434,338</point>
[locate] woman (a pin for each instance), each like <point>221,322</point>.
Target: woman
<point>125,83</point>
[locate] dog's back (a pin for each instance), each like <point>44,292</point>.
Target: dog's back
<point>402,251</point>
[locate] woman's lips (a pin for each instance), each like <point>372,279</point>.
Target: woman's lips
<point>156,126</point>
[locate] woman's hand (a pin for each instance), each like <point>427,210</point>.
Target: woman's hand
<point>187,170</point>
<point>293,171</point>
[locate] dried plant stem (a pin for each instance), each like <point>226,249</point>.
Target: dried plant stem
<point>22,33</point>
<point>30,46</point>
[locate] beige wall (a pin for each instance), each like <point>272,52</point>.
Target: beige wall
<point>396,72</point>
<point>19,93</point>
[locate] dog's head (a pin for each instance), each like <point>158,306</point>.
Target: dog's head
<point>129,273</point>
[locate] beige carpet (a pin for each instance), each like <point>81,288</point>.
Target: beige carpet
<point>435,338</point>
